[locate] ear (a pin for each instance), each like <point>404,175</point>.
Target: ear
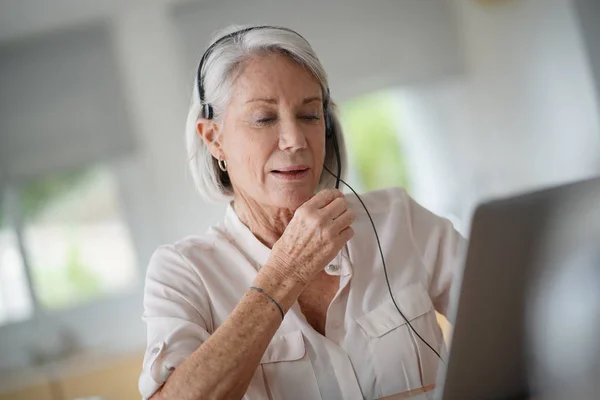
<point>209,132</point>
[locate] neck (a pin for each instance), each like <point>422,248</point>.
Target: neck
<point>265,222</point>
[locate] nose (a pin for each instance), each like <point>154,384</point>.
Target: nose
<point>292,136</point>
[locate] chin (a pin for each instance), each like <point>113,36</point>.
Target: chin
<point>292,198</point>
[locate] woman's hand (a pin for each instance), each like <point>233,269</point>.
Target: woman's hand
<point>314,236</point>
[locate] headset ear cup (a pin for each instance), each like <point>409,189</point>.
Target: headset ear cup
<point>328,125</point>
<point>207,111</point>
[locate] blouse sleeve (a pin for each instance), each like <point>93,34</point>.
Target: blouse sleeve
<point>177,317</point>
<point>441,249</point>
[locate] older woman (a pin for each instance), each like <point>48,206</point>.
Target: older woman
<point>288,297</point>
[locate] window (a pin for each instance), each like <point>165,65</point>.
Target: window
<point>373,144</point>
<point>62,243</point>
<point>15,298</point>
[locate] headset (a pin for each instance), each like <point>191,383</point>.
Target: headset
<point>330,134</point>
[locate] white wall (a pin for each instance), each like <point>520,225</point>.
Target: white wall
<point>436,132</point>
<point>364,45</point>
<point>524,115</point>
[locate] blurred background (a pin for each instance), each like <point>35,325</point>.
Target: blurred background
<point>458,101</point>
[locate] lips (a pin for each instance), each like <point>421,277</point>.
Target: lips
<point>292,172</point>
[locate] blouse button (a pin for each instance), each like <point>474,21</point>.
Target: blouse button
<point>333,268</point>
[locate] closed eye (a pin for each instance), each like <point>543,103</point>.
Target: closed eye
<point>265,121</point>
<point>311,117</point>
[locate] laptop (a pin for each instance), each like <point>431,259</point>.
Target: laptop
<point>515,245</point>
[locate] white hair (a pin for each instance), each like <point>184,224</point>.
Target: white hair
<point>219,72</point>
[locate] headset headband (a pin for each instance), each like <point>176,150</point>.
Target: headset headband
<point>207,109</point>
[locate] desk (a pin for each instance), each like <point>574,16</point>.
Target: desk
<point>415,394</point>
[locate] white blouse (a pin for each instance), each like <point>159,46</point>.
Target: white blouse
<point>368,350</point>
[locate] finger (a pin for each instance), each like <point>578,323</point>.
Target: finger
<point>344,220</point>
<point>336,208</point>
<point>324,197</point>
<point>346,234</point>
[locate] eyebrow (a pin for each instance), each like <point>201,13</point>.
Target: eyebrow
<point>262,99</point>
<point>311,99</point>
<point>274,101</point>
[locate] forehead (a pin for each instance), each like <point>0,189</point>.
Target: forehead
<point>275,75</point>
